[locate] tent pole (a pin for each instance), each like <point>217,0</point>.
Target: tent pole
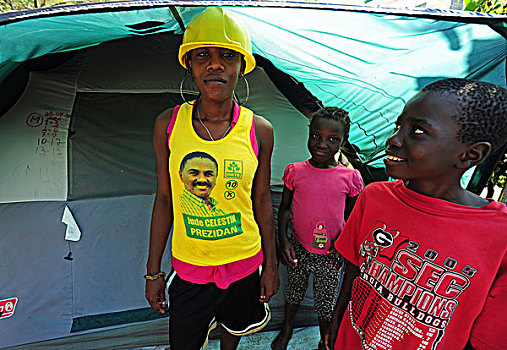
<point>177,16</point>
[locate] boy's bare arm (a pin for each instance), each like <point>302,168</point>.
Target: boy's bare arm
<point>349,205</point>
<point>263,209</point>
<point>351,272</point>
<point>162,215</point>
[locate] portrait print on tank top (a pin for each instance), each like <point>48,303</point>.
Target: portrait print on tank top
<point>202,214</point>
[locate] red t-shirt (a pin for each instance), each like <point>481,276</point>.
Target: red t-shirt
<point>432,273</point>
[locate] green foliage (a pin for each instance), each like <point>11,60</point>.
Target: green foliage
<point>17,5</point>
<point>498,7</point>
<point>498,176</point>
<point>10,5</point>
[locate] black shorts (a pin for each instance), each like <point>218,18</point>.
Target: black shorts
<point>195,309</point>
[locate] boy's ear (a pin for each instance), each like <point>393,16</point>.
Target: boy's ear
<point>474,154</point>
<point>242,68</point>
<point>188,63</point>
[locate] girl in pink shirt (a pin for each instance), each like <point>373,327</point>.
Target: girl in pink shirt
<point>321,193</point>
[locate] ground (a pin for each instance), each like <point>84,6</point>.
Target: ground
<point>303,339</point>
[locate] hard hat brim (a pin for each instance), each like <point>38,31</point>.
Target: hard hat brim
<point>249,59</point>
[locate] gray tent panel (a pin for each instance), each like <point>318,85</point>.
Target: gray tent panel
<point>111,253</point>
<point>33,269</point>
<point>133,64</point>
<point>98,285</point>
<point>108,289</point>
<point>111,144</point>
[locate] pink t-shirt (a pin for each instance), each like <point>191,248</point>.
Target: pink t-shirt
<point>221,275</point>
<point>432,272</point>
<point>318,202</point>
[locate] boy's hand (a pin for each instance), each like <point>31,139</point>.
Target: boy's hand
<point>330,334</point>
<point>350,272</point>
<point>337,258</point>
<point>270,282</point>
<point>155,294</point>
<point>329,340</point>
<point>288,254</point>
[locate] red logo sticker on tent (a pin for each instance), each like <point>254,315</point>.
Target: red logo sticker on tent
<point>7,307</point>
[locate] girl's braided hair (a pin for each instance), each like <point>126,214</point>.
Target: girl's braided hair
<point>333,113</point>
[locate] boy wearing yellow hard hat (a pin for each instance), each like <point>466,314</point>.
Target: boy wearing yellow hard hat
<point>213,169</point>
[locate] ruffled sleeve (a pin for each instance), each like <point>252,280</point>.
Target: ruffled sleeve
<point>356,184</point>
<point>288,177</point>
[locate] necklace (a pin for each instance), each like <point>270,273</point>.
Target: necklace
<point>207,130</point>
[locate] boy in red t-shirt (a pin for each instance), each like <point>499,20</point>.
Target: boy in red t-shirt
<point>426,259</point>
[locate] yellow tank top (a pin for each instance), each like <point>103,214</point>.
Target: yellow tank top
<point>211,183</point>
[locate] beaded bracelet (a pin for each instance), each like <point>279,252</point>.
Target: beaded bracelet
<point>154,276</point>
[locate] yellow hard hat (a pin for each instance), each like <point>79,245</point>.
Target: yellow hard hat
<point>218,28</point>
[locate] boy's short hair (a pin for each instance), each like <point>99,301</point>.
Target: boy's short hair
<point>482,109</point>
<point>333,113</point>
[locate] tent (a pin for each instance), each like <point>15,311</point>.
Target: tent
<point>81,86</point>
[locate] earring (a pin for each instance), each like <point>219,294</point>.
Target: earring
<point>247,92</point>
<point>187,74</point>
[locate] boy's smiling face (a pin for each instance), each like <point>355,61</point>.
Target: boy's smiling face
<point>424,147</point>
